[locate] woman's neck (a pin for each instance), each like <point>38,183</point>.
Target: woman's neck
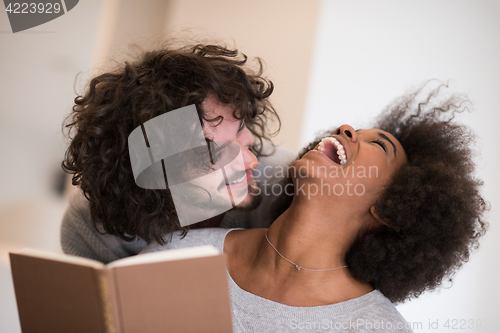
<point>312,235</point>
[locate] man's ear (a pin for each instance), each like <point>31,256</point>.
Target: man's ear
<point>375,216</point>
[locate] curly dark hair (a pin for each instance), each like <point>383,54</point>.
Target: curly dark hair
<point>117,102</point>
<point>433,207</point>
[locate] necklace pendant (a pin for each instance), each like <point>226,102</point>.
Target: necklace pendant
<point>298,267</point>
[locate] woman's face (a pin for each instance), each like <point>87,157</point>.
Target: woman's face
<point>353,163</point>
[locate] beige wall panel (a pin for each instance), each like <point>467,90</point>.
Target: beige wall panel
<point>280,32</point>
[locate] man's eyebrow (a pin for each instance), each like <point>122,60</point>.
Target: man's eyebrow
<point>383,136</point>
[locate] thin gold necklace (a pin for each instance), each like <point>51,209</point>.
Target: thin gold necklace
<point>297,266</point>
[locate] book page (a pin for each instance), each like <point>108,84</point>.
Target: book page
<point>186,295</point>
<point>58,293</point>
<point>63,258</point>
<point>168,255</point>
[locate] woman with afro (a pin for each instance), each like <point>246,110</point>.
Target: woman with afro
<point>368,218</point>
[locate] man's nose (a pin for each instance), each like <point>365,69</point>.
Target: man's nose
<point>249,158</point>
<point>245,140</point>
<point>348,131</point>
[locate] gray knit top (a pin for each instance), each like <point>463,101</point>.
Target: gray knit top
<point>372,312</point>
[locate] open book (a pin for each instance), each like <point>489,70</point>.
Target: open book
<point>183,290</point>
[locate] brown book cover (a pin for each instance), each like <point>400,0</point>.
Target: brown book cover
<point>184,290</point>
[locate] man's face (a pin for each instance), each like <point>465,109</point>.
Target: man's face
<point>232,130</point>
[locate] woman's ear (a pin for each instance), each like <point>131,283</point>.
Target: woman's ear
<point>375,216</point>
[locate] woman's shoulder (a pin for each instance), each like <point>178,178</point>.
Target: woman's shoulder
<point>372,312</point>
<point>379,313</point>
<point>195,237</point>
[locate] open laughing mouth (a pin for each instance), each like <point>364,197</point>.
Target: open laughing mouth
<point>332,148</point>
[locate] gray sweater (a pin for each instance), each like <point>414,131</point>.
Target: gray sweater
<point>372,312</point>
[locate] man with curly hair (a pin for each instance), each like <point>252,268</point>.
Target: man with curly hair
<point>112,217</point>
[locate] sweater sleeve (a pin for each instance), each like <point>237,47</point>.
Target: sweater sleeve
<point>80,238</point>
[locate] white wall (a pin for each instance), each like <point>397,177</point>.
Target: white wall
<point>367,53</point>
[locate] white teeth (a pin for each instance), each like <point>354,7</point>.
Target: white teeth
<point>338,145</point>
<point>236,181</point>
